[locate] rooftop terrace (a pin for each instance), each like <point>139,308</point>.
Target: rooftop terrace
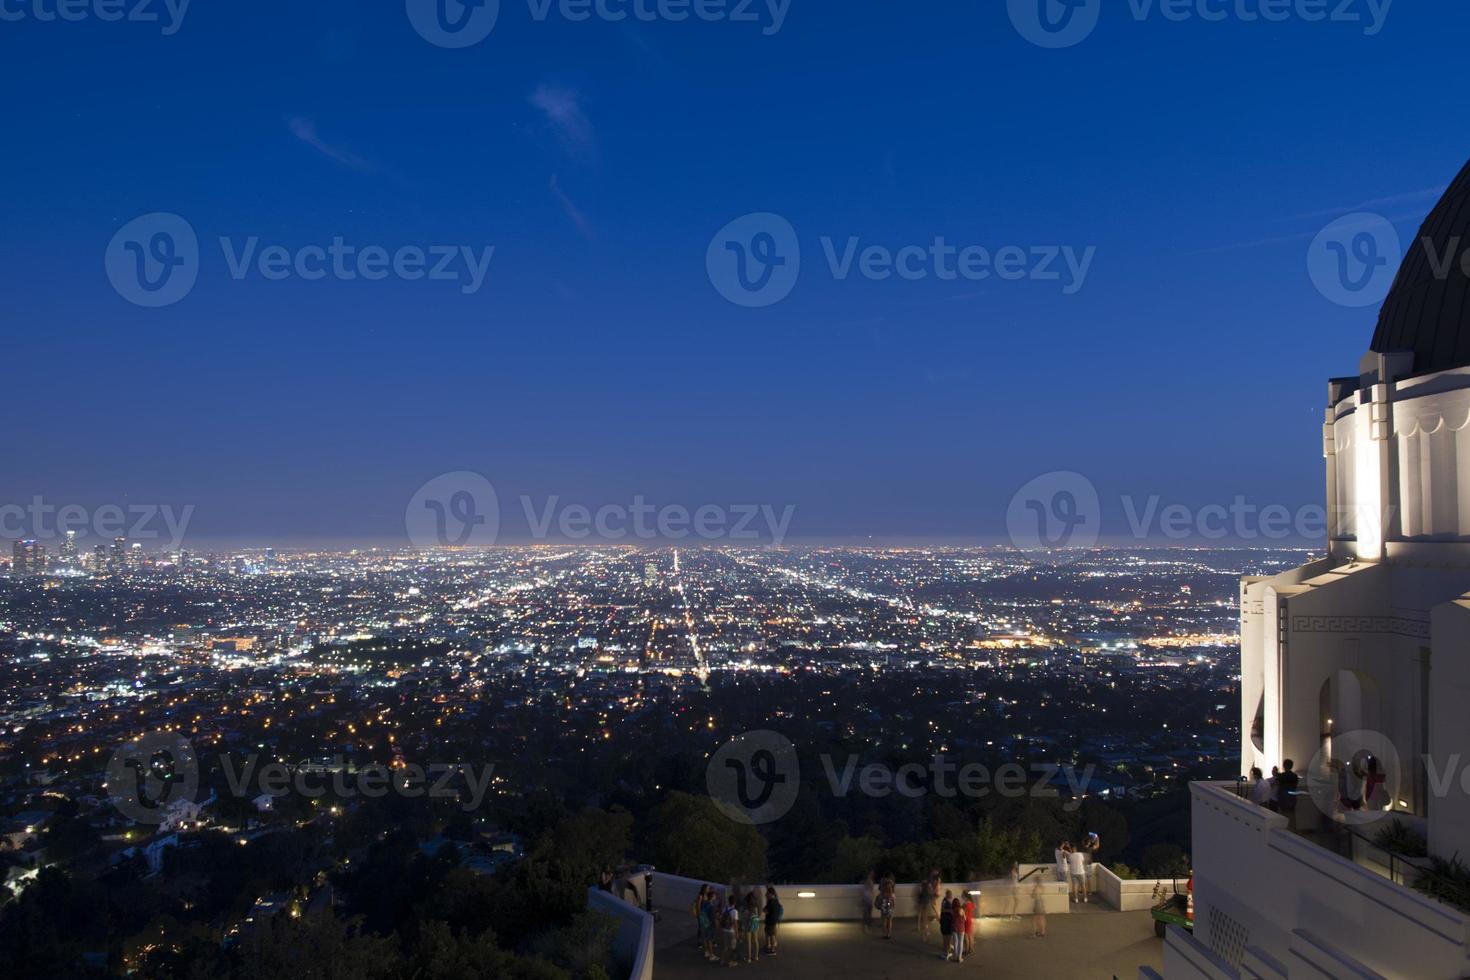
<point>1091,942</point>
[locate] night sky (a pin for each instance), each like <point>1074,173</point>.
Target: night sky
<point>597,360</point>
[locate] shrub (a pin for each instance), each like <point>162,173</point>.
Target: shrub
<point>1399,838</point>
<point>1446,880</point>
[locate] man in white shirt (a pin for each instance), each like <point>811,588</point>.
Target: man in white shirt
<point>1060,854</point>
<point>1077,865</point>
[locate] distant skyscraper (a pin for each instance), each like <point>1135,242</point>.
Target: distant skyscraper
<point>69,548</point>
<point>650,574</point>
<point>28,558</point>
<point>117,559</point>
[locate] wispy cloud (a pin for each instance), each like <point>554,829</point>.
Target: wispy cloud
<point>563,110</point>
<point>1391,209</point>
<point>1392,201</point>
<point>305,130</point>
<point>575,213</point>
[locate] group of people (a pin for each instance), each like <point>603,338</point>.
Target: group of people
<point>939,909</point>
<point>1074,866</point>
<point>1360,785</point>
<point>1275,793</point>
<point>736,928</point>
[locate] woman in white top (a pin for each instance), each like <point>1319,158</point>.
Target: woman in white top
<point>1262,792</point>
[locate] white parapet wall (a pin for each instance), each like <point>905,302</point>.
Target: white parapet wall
<point>674,895</point>
<point>1132,894</point>
<point>1271,903</point>
<point>633,944</point>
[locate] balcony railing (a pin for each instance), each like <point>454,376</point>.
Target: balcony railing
<point>1344,840</point>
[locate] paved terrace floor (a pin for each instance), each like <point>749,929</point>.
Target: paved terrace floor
<point>1092,943</point>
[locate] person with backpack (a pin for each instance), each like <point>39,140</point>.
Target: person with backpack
<point>775,912</point>
<point>705,912</point>
<point>730,930</point>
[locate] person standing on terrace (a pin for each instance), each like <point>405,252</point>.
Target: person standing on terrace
<point>870,900</point>
<point>886,902</point>
<point>775,911</point>
<point>1261,789</point>
<point>946,926</point>
<point>730,930</point>
<point>929,893</point>
<point>1077,865</point>
<point>1287,782</point>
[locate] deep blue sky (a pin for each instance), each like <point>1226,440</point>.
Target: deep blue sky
<point>598,362</point>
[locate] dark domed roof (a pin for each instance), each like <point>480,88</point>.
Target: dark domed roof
<point>1426,312</point>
